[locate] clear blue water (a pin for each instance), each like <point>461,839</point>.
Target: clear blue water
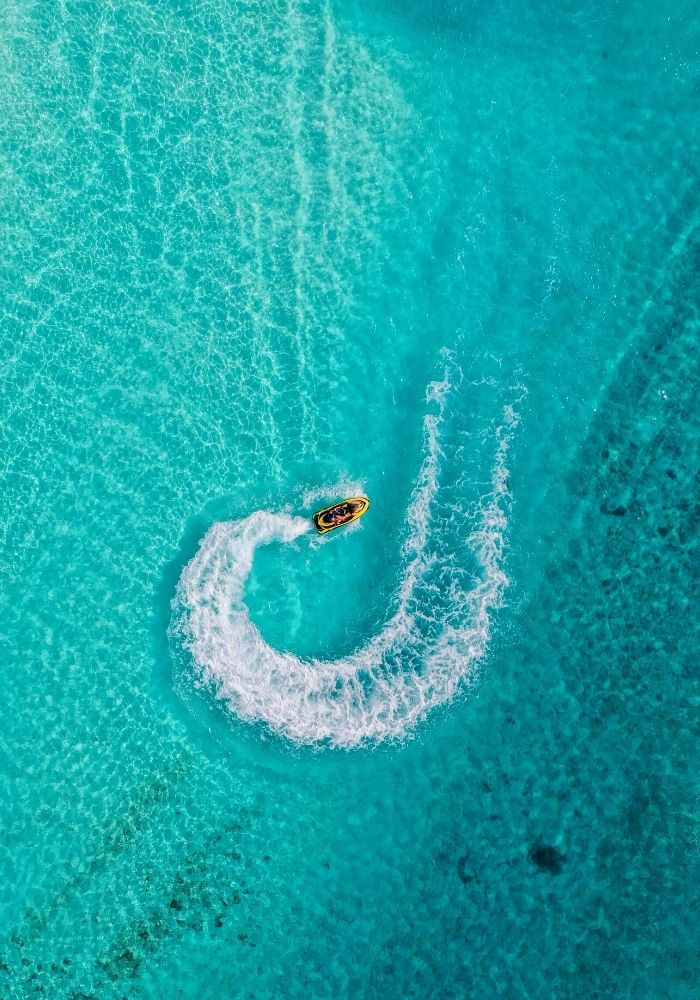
<point>256,257</point>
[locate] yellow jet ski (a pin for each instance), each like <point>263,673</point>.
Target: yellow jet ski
<point>338,514</point>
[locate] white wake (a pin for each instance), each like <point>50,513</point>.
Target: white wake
<point>425,651</point>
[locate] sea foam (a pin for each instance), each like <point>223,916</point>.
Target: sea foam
<point>427,649</point>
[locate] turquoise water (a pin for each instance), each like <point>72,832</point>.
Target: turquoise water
<point>259,256</point>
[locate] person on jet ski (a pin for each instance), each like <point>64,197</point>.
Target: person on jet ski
<point>342,513</point>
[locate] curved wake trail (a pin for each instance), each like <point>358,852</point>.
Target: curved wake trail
<point>425,651</point>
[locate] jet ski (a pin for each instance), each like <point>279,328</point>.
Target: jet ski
<point>339,514</point>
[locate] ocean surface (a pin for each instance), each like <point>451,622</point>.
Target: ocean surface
<point>258,256</point>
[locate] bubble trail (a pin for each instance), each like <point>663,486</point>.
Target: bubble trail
<point>452,580</point>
